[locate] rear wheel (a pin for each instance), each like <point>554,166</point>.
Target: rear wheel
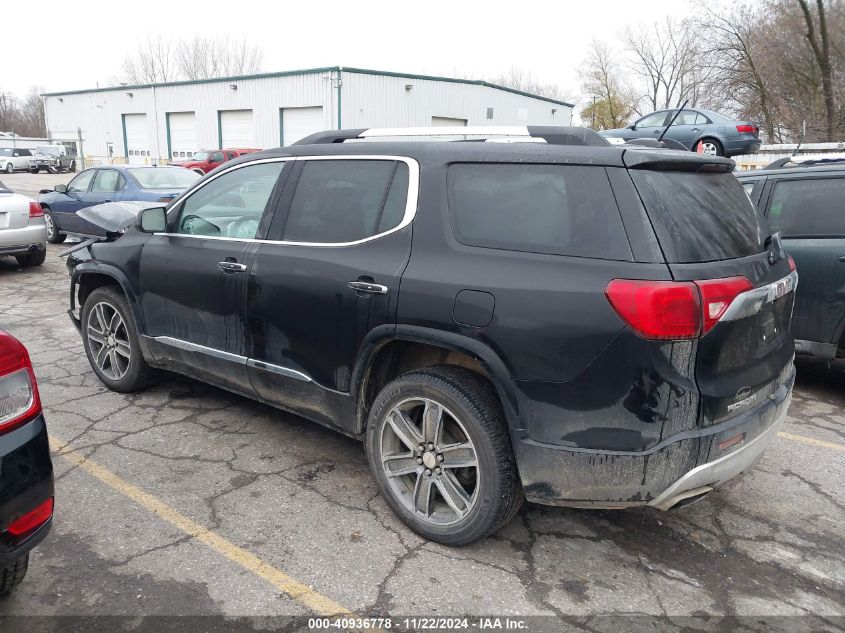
<point>13,575</point>
<point>53,235</point>
<point>32,259</point>
<point>111,342</point>
<point>710,147</point>
<point>439,448</point>
<point>9,168</point>
<point>72,167</point>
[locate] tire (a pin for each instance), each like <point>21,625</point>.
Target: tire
<point>13,575</point>
<point>54,169</point>
<point>33,171</point>
<point>10,168</point>
<point>53,235</point>
<point>127,371</point>
<point>472,417</point>
<point>72,168</point>
<point>32,259</point>
<point>710,147</point>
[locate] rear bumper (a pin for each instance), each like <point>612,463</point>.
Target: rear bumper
<point>685,465</point>
<point>21,241</point>
<point>742,146</point>
<point>26,473</point>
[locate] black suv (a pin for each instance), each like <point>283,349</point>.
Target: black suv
<point>581,324</point>
<point>804,199</point>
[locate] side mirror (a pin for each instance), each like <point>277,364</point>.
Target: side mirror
<point>633,126</point>
<point>152,220</point>
<point>60,188</point>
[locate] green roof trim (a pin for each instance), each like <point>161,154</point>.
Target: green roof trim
<point>312,71</point>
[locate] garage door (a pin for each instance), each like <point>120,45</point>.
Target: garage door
<point>444,121</point>
<point>236,129</point>
<point>297,123</point>
<point>183,134</point>
<point>137,138</point>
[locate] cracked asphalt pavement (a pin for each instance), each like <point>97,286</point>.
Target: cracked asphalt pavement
<point>301,499</point>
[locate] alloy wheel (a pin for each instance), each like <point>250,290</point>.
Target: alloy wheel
<point>430,462</point>
<point>709,149</point>
<point>108,341</point>
<point>51,227</point>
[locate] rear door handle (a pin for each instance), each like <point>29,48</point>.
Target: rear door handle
<point>366,286</point>
<point>231,267</point>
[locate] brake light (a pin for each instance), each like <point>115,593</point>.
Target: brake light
<point>717,296</point>
<point>35,210</point>
<point>32,520</point>
<point>165,199</point>
<point>792,266</point>
<point>673,310</point>
<point>19,401</point>
<point>747,129</point>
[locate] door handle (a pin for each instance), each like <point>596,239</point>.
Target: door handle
<point>366,286</point>
<point>231,267</point>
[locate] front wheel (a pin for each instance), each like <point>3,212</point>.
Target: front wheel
<point>72,168</point>
<point>10,168</point>
<point>111,342</point>
<point>438,445</point>
<point>54,169</point>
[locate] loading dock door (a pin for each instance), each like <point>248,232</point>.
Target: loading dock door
<point>297,123</point>
<point>183,134</point>
<point>236,129</point>
<point>137,138</point>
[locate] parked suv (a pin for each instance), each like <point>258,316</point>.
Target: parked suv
<point>803,198</point>
<point>14,159</point>
<point>204,161</point>
<point>53,159</point>
<point>581,324</point>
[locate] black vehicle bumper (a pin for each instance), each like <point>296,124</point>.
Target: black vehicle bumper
<point>685,465</point>
<point>26,481</point>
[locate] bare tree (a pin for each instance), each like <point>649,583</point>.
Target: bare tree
<point>819,39</point>
<point>525,81</point>
<point>160,60</point>
<point>8,111</point>
<point>612,99</point>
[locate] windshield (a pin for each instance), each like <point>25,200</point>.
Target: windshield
<point>199,156</point>
<point>49,151</point>
<point>164,177</point>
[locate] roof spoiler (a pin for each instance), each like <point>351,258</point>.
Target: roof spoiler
<point>550,134</point>
<point>662,160</point>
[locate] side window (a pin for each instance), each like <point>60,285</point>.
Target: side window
<point>231,205</point>
<point>106,181</point>
<point>216,157</point>
<point>687,117</point>
<point>811,206</point>
<point>81,182</point>
<point>25,152</point>
<point>346,200</point>
<point>652,120</point>
<point>555,209</point>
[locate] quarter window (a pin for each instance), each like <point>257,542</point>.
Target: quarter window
<point>232,204</point>
<point>812,206</point>
<point>340,201</point>
<point>555,209</point>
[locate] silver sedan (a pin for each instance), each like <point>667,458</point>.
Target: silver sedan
<point>23,232</point>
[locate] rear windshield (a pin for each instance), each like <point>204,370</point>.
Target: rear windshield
<point>164,177</point>
<point>700,217</point>
<point>554,209</point>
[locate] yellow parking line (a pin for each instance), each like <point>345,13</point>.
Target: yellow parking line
<point>279,579</point>
<point>803,439</point>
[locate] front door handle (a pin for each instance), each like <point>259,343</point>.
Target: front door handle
<point>231,267</point>
<point>366,286</point>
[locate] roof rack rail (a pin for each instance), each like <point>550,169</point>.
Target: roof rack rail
<point>814,160</point>
<point>551,134</point>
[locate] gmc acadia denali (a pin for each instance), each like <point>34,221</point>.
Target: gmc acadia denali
<point>556,319</point>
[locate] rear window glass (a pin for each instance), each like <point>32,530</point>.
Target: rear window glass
<point>808,207</point>
<point>700,217</point>
<point>554,209</point>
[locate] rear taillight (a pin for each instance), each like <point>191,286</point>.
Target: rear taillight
<point>673,310</point>
<point>165,199</point>
<point>792,266</point>
<point>32,520</point>
<point>19,401</point>
<point>35,210</point>
<point>747,129</point>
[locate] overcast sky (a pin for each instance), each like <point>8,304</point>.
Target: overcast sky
<point>77,44</point>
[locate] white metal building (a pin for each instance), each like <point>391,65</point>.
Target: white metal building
<point>169,121</point>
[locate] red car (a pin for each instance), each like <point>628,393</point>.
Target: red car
<point>205,160</point>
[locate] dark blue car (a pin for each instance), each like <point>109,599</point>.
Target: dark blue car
<point>716,134</point>
<point>108,184</point>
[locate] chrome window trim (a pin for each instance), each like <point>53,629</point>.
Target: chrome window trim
<point>407,218</point>
<point>752,301</point>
